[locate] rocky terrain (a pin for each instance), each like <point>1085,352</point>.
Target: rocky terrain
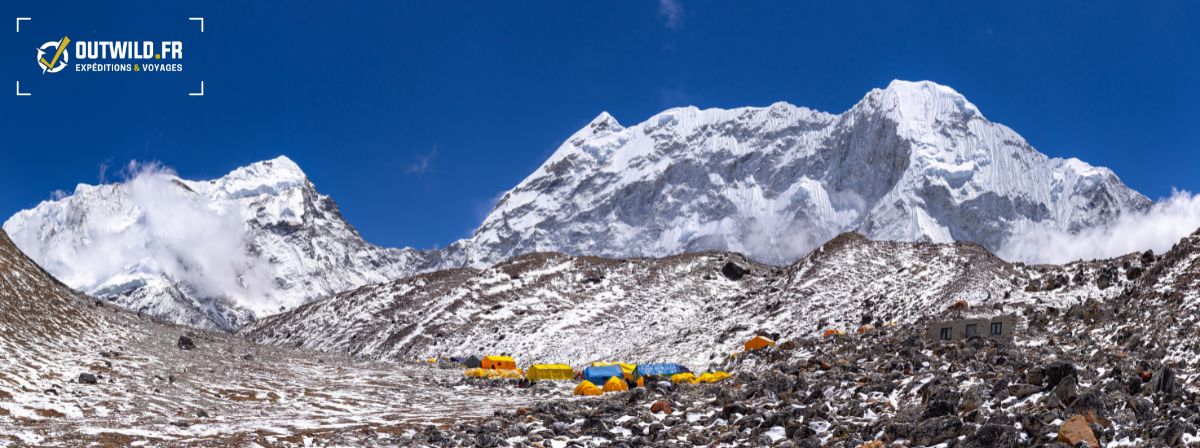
<point>1105,352</point>
<point>1113,373</point>
<point>693,309</point>
<point>888,387</point>
<point>77,372</point>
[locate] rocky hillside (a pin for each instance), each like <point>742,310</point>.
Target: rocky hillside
<point>76,372</point>
<point>694,309</point>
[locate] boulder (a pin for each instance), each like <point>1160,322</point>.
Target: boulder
<point>186,343</point>
<point>732,271</point>
<point>1163,381</point>
<point>937,430</point>
<point>938,408</point>
<point>1066,391</point>
<point>87,378</point>
<point>661,407</point>
<point>1076,430</point>
<point>993,435</point>
<point>1056,372</point>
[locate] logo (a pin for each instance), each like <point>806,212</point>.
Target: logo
<point>60,59</point>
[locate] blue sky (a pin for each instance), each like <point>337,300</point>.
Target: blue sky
<point>414,116</point>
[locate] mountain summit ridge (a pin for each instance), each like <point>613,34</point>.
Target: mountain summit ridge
<point>915,161</point>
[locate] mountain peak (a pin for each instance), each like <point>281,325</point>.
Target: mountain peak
<point>281,166</point>
<point>921,103</point>
<point>603,124</point>
<point>268,176</point>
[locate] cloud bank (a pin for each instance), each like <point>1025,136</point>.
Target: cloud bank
<point>1157,229</point>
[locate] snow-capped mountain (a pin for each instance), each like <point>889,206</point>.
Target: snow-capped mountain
<point>911,162</point>
<point>213,254</point>
<point>915,161</point>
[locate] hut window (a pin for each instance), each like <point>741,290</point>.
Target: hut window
<point>971,332</point>
<point>945,335</point>
<point>997,328</point>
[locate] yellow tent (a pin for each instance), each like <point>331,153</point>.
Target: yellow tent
<point>721,375</point>
<point>552,372</point>
<point>712,377</point>
<point>498,362</point>
<point>431,360</point>
<point>683,378</point>
<point>511,374</point>
<point>474,373</point>
<point>615,384</point>
<point>758,343</point>
<point>587,388</point>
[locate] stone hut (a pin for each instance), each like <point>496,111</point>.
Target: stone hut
<point>998,328</point>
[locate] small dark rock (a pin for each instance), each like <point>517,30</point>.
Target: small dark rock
<point>732,271</point>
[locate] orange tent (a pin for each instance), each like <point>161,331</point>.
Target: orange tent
<point>759,343</point>
<point>615,384</point>
<point>587,388</point>
<point>833,332</point>
<point>498,362</point>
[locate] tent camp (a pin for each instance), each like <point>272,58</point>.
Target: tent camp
<point>550,372</point>
<point>473,362</point>
<point>498,362</point>
<point>666,369</point>
<point>758,343</point>
<point>615,384</point>
<point>601,374</point>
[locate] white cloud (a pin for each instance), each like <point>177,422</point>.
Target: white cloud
<point>778,239</point>
<point>1158,229</point>
<point>671,11</point>
<point>423,163</point>
<point>163,227</point>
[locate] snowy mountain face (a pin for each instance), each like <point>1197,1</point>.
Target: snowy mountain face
<point>693,309</point>
<point>212,254</point>
<point>912,162</point>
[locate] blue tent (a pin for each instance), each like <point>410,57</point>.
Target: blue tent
<point>658,369</point>
<point>599,375</point>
